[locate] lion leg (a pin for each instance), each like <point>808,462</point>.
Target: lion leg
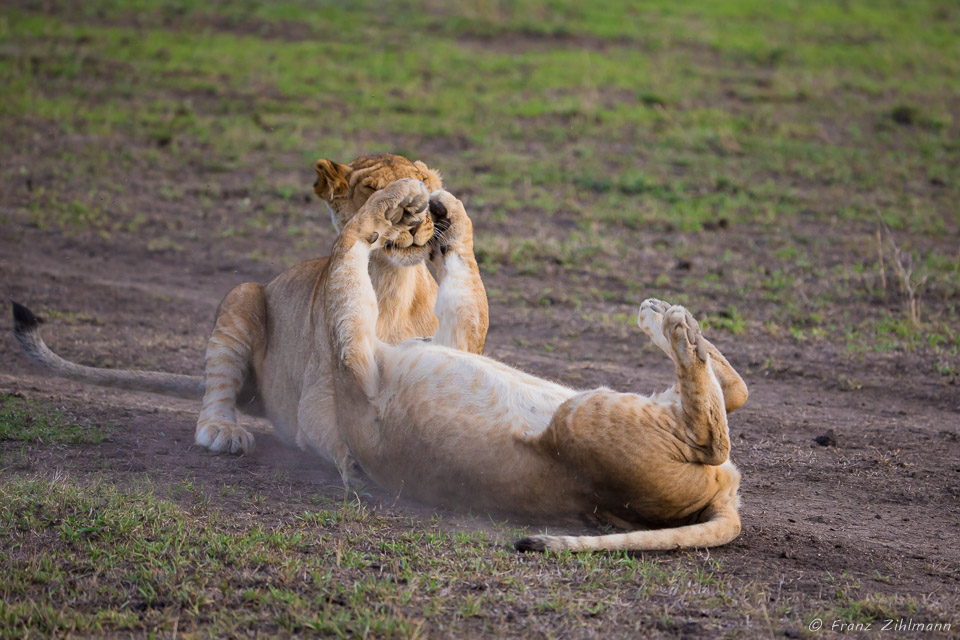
<point>350,300</point>
<point>701,397</point>
<point>240,328</point>
<point>461,306</point>
<point>650,320</point>
<point>319,429</point>
<point>596,433</point>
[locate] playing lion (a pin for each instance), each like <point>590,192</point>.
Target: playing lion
<point>428,420</point>
<point>269,353</point>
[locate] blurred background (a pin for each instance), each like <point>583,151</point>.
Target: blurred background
<point>790,170</point>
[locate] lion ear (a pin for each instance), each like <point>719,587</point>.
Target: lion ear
<point>430,177</point>
<point>332,178</point>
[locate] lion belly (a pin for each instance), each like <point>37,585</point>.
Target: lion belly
<point>455,427</point>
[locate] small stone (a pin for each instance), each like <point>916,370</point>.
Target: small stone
<point>828,439</point>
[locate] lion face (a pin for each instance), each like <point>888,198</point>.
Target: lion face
<point>346,187</point>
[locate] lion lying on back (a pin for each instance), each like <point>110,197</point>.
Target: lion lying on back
<point>455,428</point>
<point>268,354</point>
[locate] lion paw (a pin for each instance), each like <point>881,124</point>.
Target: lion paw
<point>685,336</point>
<point>221,436</point>
<point>351,473</point>
<point>394,211</point>
<point>650,321</point>
<point>450,222</point>
<point>408,199</point>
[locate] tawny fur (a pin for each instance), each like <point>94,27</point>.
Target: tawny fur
<point>269,354</point>
<point>433,422</point>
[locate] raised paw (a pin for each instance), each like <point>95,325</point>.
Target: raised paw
<point>650,321</point>
<point>403,202</point>
<point>650,317</point>
<point>683,331</point>
<point>221,436</point>
<point>450,222</point>
<point>393,214</point>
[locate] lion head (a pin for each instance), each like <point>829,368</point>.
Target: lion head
<point>346,187</point>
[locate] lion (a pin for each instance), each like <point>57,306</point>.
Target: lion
<point>429,420</point>
<point>268,354</point>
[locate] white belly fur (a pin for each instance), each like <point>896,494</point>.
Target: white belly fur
<point>438,392</point>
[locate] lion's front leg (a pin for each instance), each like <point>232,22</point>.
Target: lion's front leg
<point>240,329</point>
<point>318,426</point>
<point>350,302</point>
<point>461,306</point>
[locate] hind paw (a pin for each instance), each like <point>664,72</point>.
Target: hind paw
<point>650,321</point>
<point>221,436</point>
<point>685,337</point>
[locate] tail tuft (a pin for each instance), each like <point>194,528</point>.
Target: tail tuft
<point>23,319</point>
<point>26,330</point>
<point>535,543</point>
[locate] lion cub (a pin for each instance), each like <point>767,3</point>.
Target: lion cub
<point>455,428</point>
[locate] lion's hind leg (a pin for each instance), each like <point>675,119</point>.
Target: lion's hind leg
<point>650,320</point>
<point>699,429</point>
<point>240,330</point>
<point>703,425</point>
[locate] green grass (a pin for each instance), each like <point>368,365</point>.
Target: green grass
<point>94,558</point>
<point>122,560</point>
<point>26,420</point>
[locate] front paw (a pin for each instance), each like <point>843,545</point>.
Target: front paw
<point>221,436</point>
<point>450,223</point>
<point>403,202</point>
<point>390,212</point>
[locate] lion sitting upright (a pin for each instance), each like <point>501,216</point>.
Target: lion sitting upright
<point>454,428</point>
<point>268,354</point>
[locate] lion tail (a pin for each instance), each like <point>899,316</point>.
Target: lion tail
<point>26,328</point>
<point>722,525</point>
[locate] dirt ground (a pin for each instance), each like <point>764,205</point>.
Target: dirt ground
<point>879,507</point>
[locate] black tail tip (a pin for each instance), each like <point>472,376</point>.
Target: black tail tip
<point>529,544</point>
<point>23,318</point>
